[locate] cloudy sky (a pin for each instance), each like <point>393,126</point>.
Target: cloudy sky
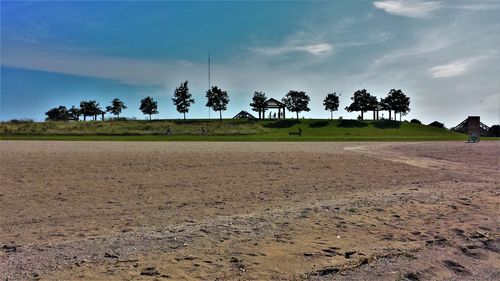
<point>444,54</point>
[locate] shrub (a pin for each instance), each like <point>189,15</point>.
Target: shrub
<point>415,121</point>
<point>20,121</point>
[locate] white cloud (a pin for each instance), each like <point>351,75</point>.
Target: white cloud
<point>449,70</point>
<point>455,68</point>
<point>478,7</point>
<point>421,46</point>
<point>313,49</point>
<point>132,71</point>
<point>406,8</point>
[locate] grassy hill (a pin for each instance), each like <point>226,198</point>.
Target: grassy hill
<point>227,130</point>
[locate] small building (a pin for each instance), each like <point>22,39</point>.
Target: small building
<point>472,125</point>
<point>376,111</point>
<point>244,114</point>
<point>274,104</point>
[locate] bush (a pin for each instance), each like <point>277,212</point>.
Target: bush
<point>20,121</point>
<point>319,124</point>
<point>285,123</point>
<point>415,121</point>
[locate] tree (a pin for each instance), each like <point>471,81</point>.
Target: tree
<point>149,106</point>
<point>217,100</point>
<point>331,103</point>
<point>182,99</point>
<point>296,101</point>
<point>57,114</point>
<point>116,107</point>
<point>362,101</point>
<point>90,108</point>
<point>74,113</point>
<point>396,100</point>
<point>259,103</point>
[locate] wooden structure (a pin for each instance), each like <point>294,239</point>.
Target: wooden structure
<point>472,126</point>
<point>244,114</point>
<point>376,111</point>
<point>274,104</point>
<point>101,112</point>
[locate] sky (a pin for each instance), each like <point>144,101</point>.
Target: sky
<point>443,54</point>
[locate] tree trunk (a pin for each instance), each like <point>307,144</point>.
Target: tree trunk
<point>390,114</point>
<point>297,115</point>
<point>149,117</point>
<point>84,117</point>
<point>220,114</point>
<point>331,114</point>
<point>362,115</point>
<point>184,115</point>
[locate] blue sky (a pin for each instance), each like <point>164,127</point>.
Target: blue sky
<point>443,54</point>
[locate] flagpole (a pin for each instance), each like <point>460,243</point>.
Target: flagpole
<point>209,81</point>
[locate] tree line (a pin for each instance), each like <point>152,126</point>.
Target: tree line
<point>218,99</point>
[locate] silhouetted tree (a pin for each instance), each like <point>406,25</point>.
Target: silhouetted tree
<point>296,101</point>
<point>182,99</point>
<point>259,103</point>
<point>362,101</point>
<point>415,121</point>
<point>116,107</point>
<point>149,106</point>
<point>331,103</point>
<point>74,113</point>
<point>57,114</point>
<point>396,100</point>
<point>90,108</point>
<point>217,100</point>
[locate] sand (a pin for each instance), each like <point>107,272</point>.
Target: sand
<point>249,211</point>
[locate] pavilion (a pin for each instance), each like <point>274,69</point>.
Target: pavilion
<point>273,104</point>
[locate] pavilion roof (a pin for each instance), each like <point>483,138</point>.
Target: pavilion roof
<point>273,103</point>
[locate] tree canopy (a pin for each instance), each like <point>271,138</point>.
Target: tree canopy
<point>362,101</point>
<point>182,99</point>
<point>399,102</point>
<point>74,112</point>
<point>396,100</point>
<point>331,103</point>
<point>116,107</point>
<point>57,114</point>
<point>217,99</point>
<point>149,106</point>
<point>258,102</point>
<point>296,101</point>
<point>90,108</point>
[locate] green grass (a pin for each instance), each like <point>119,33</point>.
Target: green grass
<point>227,130</point>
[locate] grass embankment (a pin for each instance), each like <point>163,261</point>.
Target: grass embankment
<point>227,130</point>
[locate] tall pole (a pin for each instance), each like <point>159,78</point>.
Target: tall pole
<point>209,81</point>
